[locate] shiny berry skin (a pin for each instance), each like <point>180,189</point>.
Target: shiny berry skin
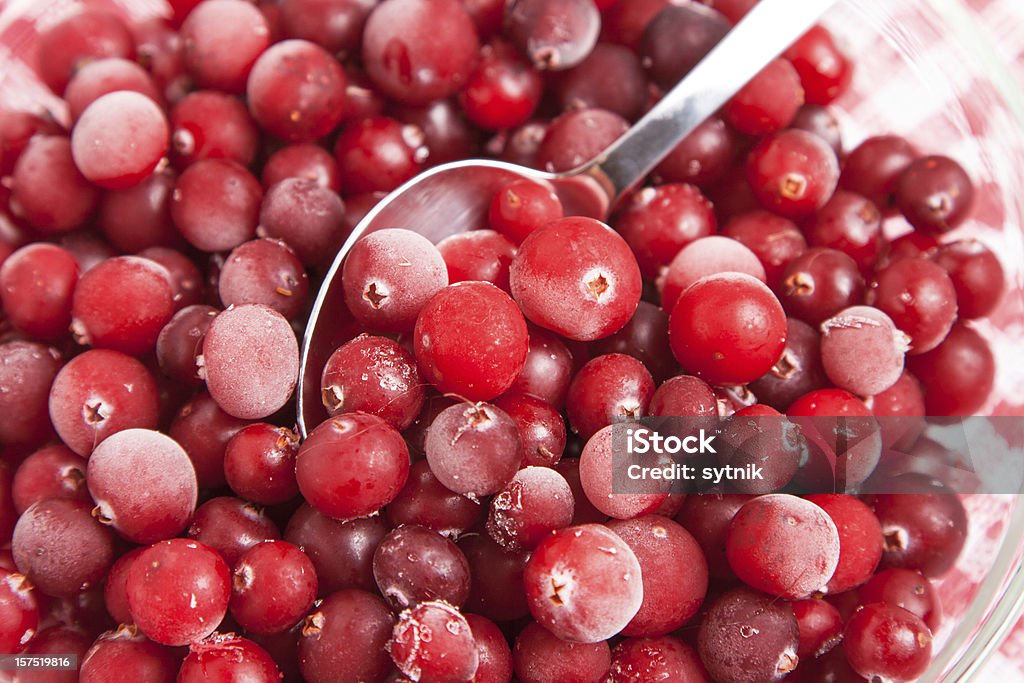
<point>413,564</point>
<point>194,584</point>
<point>341,551</point>
<point>957,376</point>
<point>586,294</point>
<point>920,298</point>
<point>797,372</point>
<point>51,472</point>
<point>264,271</point>
<point>924,529</point>
<point>748,637</point>
<point>126,649</point>
<point>539,656</point>
<point>296,91</point>
<point>227,656</point>
<point>335,25</point>
<point>768,102</point>
<point>541,427</point>
<point>471,340</point>
<point>821,627</point>
<point>677,38</point>
<point>873,168</point>
<point>61,548</point>
<point>553,35</point>
<point>580,590</point>
<point>482,255</point>
<point>352,465</point>
<point>849,223</point>
<point>934,194</point>
<point>118,139</point>
<point>231,526</point>
<point>887,642</point>
<point>792,173</point>
<point>578,136</point>
<point>378,154</point>
<point>211,125</point>
<point>819,283</point>
<point>122,304</point>
<point>712,329</point>
<point>976,274</point>
<point>521,207</point>
<point>610,78</point>
<point>98,393</point>
<point>608,389</point>
<point>402,56</point>
<point>37,283</point>
<point>222,40</point>
<point>674,572</point>
<point>273,587</point>
<point>907,589</point>
<point>825,72</point>
<point>502,91</point>
<point>702,157</point>
<point>803,542</point>
<point>426,502</point>
<point>389,276</point>
<point>133,461</point>
<point>492,571</point>
<point>344,638</point>
<point>860,540</point>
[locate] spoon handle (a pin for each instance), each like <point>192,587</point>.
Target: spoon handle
<point>768,29</point>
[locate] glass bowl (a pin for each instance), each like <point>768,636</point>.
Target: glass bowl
<point>924,71</point>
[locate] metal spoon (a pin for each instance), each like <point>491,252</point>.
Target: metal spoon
<point>454,197</point>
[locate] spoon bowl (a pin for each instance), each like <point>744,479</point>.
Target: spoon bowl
<point>455,197</point>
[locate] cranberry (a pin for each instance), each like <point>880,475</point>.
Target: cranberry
<point>976,275</point>
<point>589,293</point>
<point>907,589</point>
<point>77,39</point>
<point>103,76</point>
<point>706,256</point>
<point>797,372</point>
<point>675,574</point>
<point>665,658</point>
<point>494,654</point>
<point>934,194</point>
<point>20,610</point>
<point>502,91</point>
<point>335,25</point>
<point>222,40</point>
<point>555,34</point>
<point>920,298</point>
<point>344,638</point>
<point>47,188</point>
<point>480,255</point>
<point>606,390</point>
<point>118,139</point>
<point>403,57</point>
<point>712,329</point>
<point>473,448</point>
<point>599,469</point>
<point>259,463</point>
<point>352,465</point>
<point>849,223</point>
<point>433,642</point>
<point>341,551</point>
<point>231,526</point>
<point>884,641</point>
<point>537,501</point>
<point>521,207</point>
<point>216,203</point>
<point>541,427</point>
<point>861,350</point>
<point>203,429</point>
<point>825,72</point>
<point>860,540</point>
<point>264,271</point>
<point>819,283</point>
<point>27,371</point>
<point>207,124</point>
<point>492,571</point>
<point>874,166</point>
<point>304,214</point>
<point>610,78</point>
<point>577,137</point>
<point>378,154</point>
<point>304,161</point>
<point>748,636</point>
<point>657,222</point>
<point>821,122</point>
<point>579,590</point>
<point>540,656</point>
<point>957,375</point>
<point>273,587</point>
<point>139,218</point>
<point>677,38</point>
<point>126,649</point>
<point>222,655</point>
<point>413,564</point>
<point>426,502</point>
<point>821,627</point>
<point>768,102</point>
<point>293,108</point>
<point>792,173</point>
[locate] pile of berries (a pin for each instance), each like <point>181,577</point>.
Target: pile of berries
<point>454,518</point>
